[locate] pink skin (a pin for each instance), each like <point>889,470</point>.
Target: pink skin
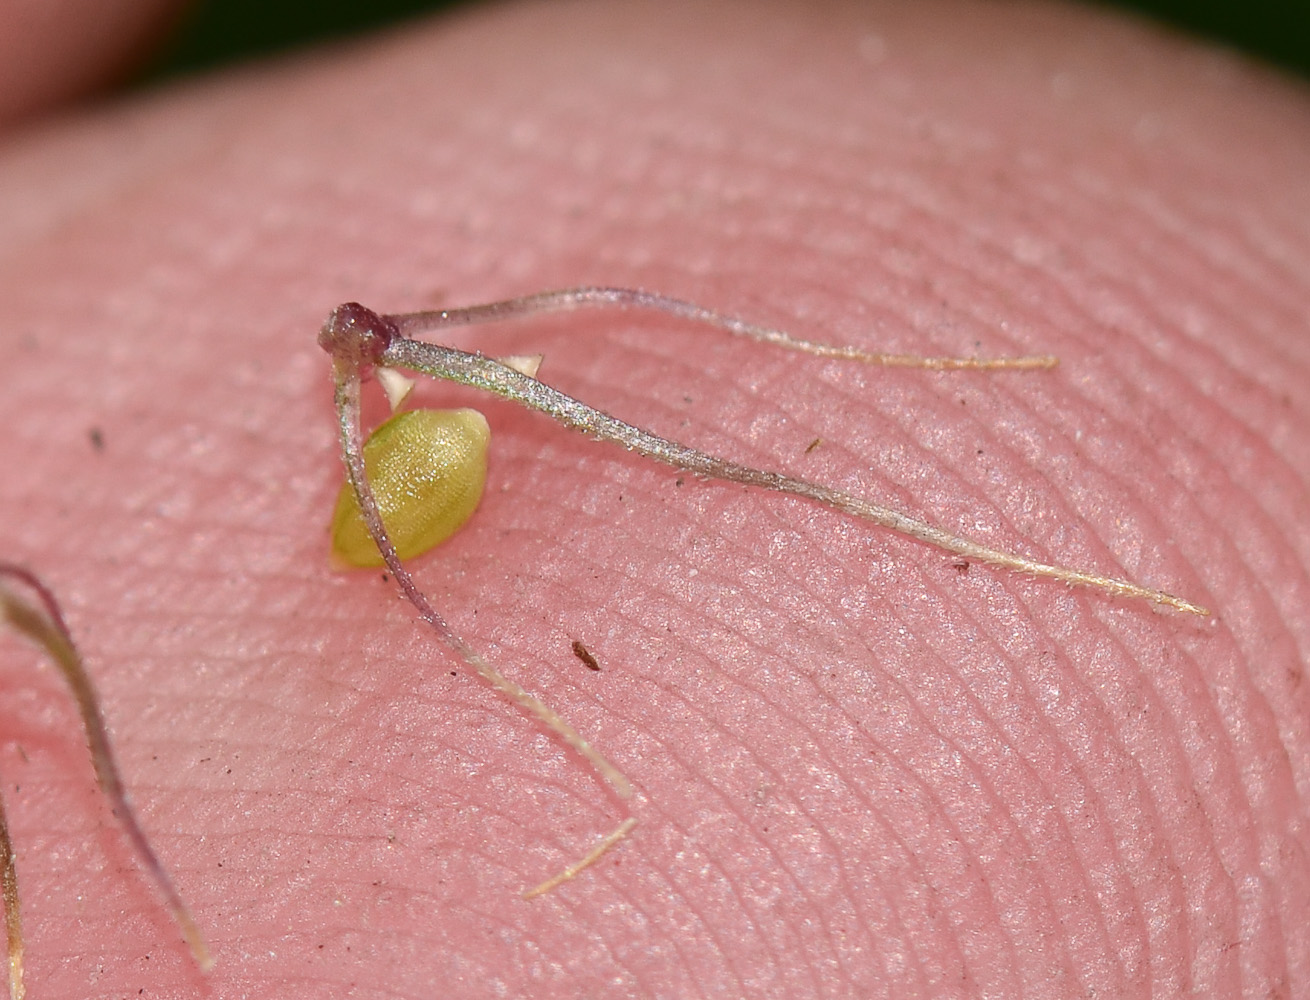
<point>55,50</point>
<point>861,771</point>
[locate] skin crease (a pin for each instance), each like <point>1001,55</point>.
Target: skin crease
<point>862,771</point>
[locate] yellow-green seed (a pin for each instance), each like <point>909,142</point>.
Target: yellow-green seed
<point>427,469</point>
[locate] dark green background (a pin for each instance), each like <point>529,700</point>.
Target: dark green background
<point>219,31</point>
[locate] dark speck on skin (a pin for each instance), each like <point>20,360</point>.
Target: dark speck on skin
<point>584,654</point>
